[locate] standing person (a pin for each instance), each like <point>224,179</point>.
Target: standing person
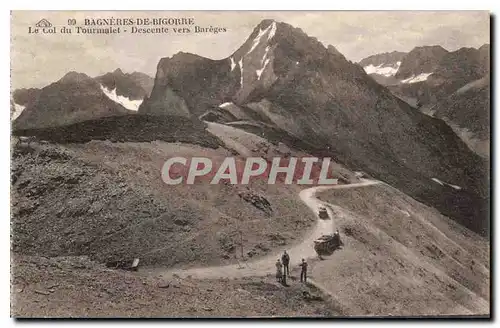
<point>285,259</point>
<point>279,272</point>
<point>303,271</point>
<point>336,237</point>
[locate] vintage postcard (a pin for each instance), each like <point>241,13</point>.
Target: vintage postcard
<point>250,164</point>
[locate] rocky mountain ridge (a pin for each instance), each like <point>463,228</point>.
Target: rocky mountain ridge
<point>283,78</point>
<point>78,97</point>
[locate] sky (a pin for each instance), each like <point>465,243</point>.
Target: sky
<point>39,59</point>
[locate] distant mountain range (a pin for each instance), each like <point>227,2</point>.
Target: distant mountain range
<point>430,78</point>
<point>78,97</point>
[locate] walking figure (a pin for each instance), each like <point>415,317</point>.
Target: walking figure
<point>303,271</point>
<point>279,272</point>
<point>285,259</point>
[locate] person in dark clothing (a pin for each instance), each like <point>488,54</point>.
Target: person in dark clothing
<point>303,271</point>
<point>285,259</point>
<point>336,239</point>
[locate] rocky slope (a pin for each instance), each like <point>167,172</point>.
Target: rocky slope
<point>286,79</point>
<point>188,84</point>
<point>442,94</point>
<point>403,258</point>
<point>107,200</point>
<point>467,111</point>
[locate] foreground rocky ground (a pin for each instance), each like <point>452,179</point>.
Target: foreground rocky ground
<point>107,200</point>
<point>77,287</point>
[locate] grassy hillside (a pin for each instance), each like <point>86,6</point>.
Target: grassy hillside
<point>402,258</point>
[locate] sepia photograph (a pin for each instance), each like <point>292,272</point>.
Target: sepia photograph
<point>250,164</point>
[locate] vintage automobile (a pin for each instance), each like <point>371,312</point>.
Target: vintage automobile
<point>323,213</point>
<point>327,244</point>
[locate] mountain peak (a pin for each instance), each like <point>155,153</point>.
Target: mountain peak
<point>436,47</point>
<point>134,86</point>
<point>265,23</point>
<point>140,74</point>
<point>386,59</point>
<point>263,32</point>
<point>74,77</point>
<point>182,54</point>
<point>179,59</point>
<point>423,59</point>
<point>270,34</point>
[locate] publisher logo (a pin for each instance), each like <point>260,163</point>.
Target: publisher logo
<point>43,23</point>
<point>43,26</point>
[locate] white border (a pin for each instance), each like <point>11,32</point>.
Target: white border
<point>252,5</point>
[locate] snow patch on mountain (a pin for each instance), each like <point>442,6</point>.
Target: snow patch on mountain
<point>404,212</point>
<point>226,104</point>
<point>455,186</point>
<point>444,183</point>
<point>240,62</point>
<point>265,55</point>
<point>264,61</point>
<point>418,78</point>
<point>18,109</point>
<point>271,29</point>
<point>259,71</point>
<point>233,64</point>
<point>382,70</point>
<point>122,100</point>
<point>438,181</point>
<point>234,110</point>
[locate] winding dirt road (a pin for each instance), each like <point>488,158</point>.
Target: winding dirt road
<point>266,265</point>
